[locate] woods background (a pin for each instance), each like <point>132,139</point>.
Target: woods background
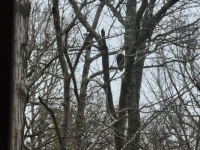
<point>70,94</point>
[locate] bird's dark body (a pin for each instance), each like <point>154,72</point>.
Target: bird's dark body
<point>120,61</point>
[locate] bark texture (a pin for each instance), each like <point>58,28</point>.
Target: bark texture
<point>19,87</point>
<point>139,25</point>
<point>66,80</point>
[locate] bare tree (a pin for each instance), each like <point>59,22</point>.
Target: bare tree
<point>72,67</point>
<point>41,71</point>
<point>139,25</point>
<point>179,93</point>
<point>19,80</point>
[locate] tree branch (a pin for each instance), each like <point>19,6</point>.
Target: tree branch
<point>149,26</point>
<point>140,13</point>
<point>115,12</point>
<point>105,62</point>
<point>82,19</point>
<point>54,119</point>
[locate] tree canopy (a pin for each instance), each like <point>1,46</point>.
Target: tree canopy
<point>79,99</point>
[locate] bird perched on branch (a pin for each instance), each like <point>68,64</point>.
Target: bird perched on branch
<point>120,60</point>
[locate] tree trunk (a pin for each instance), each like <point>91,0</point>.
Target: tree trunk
<point>66,80</point>
<point>66,108</point>
<point>139,26</point>
<point>19,90</point>
<point>80,117</point>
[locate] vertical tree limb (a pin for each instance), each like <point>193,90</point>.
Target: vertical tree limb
<point>60,140</point>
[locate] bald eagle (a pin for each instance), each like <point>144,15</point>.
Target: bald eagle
<point>120,60</point>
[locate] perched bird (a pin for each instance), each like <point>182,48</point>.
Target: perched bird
<point>120,60</point>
